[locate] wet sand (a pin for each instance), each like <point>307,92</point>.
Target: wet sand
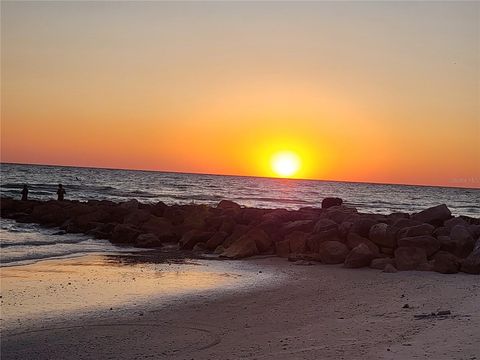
<point>255,309</point>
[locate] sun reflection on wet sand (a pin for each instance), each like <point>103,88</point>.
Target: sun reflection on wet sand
<point>58,287</point>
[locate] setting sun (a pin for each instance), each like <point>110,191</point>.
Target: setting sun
<point>285,163</point>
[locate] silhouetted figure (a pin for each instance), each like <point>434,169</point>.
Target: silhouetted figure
<point>25,193</point>
<point>60,192</point>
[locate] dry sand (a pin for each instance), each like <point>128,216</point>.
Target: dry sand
<point>253,309</point>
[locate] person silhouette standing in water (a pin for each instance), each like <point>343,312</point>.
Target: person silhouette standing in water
<point>25,193</point>
<point>61,192</point>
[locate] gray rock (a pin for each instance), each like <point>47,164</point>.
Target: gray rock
<point>360,256</point>
<point>148,241</point>
<point>461,241</point>
<point>333,252</point>
<point>435,215</point>
<point>124,234</point>
<point>362,226</point>
<point>426,242</point>
<point>315,240</point>
<point>193,237</point>
<point>417,230</point>
<point>298,241</point>
<point>241,248</point>
<point>217,239</point>
<point>450,223</point>
<point>471,264</point>
<point>353,240</point>
<point>298,225</point>
<point>383,235</point>
<point>330,202</point>
<point>227,204</point>
<point>410,258</point>
<point>446,263</point>
<point>324,225</point>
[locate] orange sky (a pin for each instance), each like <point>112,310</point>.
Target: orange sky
<point>377,92</point>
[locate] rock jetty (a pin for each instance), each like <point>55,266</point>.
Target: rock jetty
<point>431,240</point>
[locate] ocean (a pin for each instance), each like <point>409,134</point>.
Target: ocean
<point>22,243</point>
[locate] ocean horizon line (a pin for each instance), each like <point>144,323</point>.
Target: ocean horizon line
<point>240,176</point>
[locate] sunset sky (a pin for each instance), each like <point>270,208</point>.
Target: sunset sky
<point>359,91</point>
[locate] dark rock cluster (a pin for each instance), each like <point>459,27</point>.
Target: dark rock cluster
<point>431,240</point>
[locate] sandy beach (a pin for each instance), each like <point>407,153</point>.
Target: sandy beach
<point>263,308</point>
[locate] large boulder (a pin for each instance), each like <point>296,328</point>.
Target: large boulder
<point>8,204</point>
<point>49,213</point>
<point>395,216</point>
<point>227,204</point>
<point>90,220</point>
<point>324,225</point>
<point>161,228</point>
<point>175,214</point>
<point>309,213</point>
<point>282,248</point>
<point>214,221</point>
<point>344,229</point>
<point>339,214</point>
<point>277,215</point>
<point>217,239</point>
<point>158,209</point>
<point>401,223</point>
<point>263,242</point>
<point>362,226</point>
<point>148,241</point>
<point>461,241</point>
<point>441,231</point>
<point>360,256</point>
<point>193,237</point>
<point>333,252</point>
<point>137,217</point>
<point>124,234</point>
<point>471,264</point>
<point>298,242</point>
<point>474,229</point>
<point>243,247</point>
<point>314,240</point>
<point>383,235</point>
<point>410,258</point>
<point>130,204</point>
<point>417,230</point>
<point>227,225</point>
<point>196,217</point>
<point>250,216</point>
<point>426,242</point>
<point>435,215</point>
<point>446,263</point>
<point>353,240</point>
<point>100,231</point>
<point>238,231</point>
<point>330,202</point>
<point>298,225</point>
<point>450,223</point>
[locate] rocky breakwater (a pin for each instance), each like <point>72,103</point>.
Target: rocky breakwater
<point>431,240</point>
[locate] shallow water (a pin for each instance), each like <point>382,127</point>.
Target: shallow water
<point>25,243</point>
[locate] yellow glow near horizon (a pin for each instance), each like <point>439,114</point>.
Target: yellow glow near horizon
<point>286,164</point>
